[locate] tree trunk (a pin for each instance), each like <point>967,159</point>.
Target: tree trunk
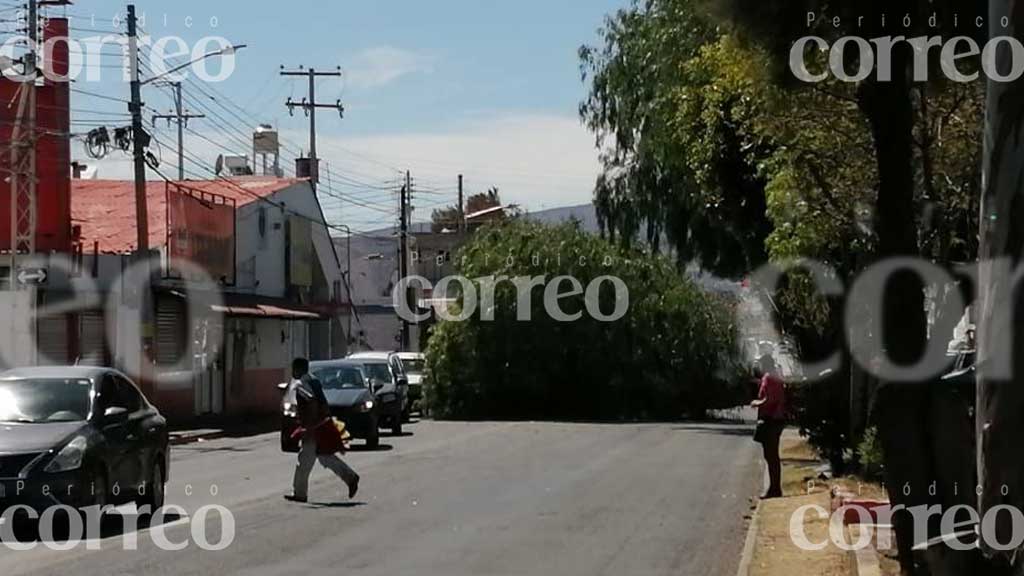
<point>1000,397</point>
<point>902,417</point>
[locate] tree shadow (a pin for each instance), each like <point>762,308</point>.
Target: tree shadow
<point>329,505</point>
<point>112,524</point>
<point>720,429</point>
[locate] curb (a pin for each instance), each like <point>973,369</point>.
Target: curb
<point>749,544</point>
<point>182,439</point>
<point>863,562</point>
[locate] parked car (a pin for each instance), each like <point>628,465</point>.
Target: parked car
<point>390,385</point>
<point>414,364</point>
<point>350,398</point>
<point>79,436</point>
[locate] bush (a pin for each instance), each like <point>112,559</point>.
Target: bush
<point>671,354</point>
<point>870,452</point>
<point>818,407</point>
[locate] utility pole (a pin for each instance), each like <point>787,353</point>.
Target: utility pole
<point>461,226</point>
<point>309,106</point>
<point>403,256</point>
<point>138,143</point>
<point>23,199</point>
<point>181,117</point>
<point>23,154</point>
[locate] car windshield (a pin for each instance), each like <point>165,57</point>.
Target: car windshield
<point>340,377</point>
<point>378,371</point>
<point>38,401</point>
<point>414,366</point>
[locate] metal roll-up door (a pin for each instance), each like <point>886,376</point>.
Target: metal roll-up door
<point>52,339</point>
<point>170,332</point>
<point>92,338</point>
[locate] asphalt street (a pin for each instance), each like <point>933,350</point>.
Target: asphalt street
<point>453,499</point>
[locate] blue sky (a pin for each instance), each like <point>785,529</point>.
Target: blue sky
<point>489,89</point>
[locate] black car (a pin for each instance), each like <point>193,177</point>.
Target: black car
<point>349,396</point>
<point>81,437</point>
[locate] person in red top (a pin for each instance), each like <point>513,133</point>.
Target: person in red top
<point>771,420</point>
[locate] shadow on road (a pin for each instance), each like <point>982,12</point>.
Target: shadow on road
<point>722,429</point>
<point>112,524</point>
<point>327,505</point>
<point>201,449</point>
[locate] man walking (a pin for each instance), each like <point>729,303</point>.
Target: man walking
<point>313,412</point>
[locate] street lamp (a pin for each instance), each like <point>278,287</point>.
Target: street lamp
<point>226,51</point>
<point>179,113</point>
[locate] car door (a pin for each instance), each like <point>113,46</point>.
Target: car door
<point>136,455</point>
<point>401,380</point>
<point>115,431</point>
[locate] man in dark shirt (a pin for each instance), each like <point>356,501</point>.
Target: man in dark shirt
<point>313,411</point>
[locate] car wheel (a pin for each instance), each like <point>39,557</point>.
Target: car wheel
<point>155,486</point>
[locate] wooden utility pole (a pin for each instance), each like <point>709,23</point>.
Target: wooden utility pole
<point>309,107</point>
<point>181,117</point>
<point>403,256</point>
<point>461,226</point>
<point>143,292</point>
<point>139,137</point>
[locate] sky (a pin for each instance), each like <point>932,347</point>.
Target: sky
<point>487,89</point>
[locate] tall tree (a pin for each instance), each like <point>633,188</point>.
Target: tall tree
<point>710,208</point>
<point>448,218</point>
<point>1001,372</point>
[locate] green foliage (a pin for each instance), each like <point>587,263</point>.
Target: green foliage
<point>818,409</point>
<point>870,453</point>
<point>448,217</point>
<point>673,353</point>
<point>676,163</point>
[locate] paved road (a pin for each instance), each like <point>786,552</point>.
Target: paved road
<point>458,499</point>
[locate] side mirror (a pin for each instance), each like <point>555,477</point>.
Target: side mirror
<point>114,413</point>
<point>376,385</point>
<point>403,382</point>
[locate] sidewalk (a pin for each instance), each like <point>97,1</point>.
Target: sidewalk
<point>204,429</point>
<point>774,552</point>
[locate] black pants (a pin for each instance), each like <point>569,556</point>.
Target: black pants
<point>770,438</point>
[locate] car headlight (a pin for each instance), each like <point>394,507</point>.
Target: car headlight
<point>290,410</point>
<point>366,406</point>
<point>70,457</point>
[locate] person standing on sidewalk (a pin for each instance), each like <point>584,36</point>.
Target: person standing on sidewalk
<point>313,412</point>
<point>771,420</point>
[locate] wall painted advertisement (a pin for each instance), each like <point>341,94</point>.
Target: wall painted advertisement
<point>201,230</point>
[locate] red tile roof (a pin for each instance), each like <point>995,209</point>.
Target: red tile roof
<point>105,209</point>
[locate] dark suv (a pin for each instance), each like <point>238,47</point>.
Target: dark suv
<point>349,396</point>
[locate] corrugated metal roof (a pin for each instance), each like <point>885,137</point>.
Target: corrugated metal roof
<point>105,209</point>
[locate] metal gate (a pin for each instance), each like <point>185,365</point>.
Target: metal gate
<point>52,340</point>
<point>92,339</point>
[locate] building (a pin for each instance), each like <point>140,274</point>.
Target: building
<point>270,290</point>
